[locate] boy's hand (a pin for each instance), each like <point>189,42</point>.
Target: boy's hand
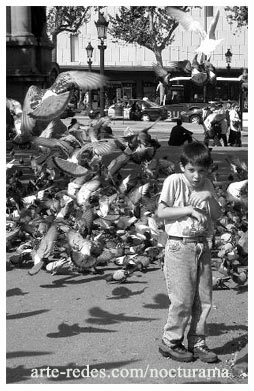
<point>198,197</point>
<point>199,215</point>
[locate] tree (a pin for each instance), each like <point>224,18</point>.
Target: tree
<point>61,19</point>
<point>150,27</point>
<point>237,16</point>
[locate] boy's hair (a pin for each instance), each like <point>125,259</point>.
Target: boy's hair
<point>179,121</point>
<point>196,154</point>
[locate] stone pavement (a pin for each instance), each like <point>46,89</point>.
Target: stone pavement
<point>79,329</point>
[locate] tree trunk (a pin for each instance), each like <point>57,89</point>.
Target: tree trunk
<point>54,51</point>
<point>158,56</point>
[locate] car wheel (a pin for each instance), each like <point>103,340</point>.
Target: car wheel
<point>145,117</point>
<point>195,119</point>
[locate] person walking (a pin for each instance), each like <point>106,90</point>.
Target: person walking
<point>179,135</point>
<point>235,127</point>
<point>189,206</point>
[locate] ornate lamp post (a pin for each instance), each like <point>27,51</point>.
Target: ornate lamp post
<point>228,56</point>
<point>102,26</point>
<point>89,51</point>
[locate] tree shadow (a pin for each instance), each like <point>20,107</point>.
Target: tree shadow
<point>240,289</point>
<point>216,329</point>
<point>232,346</point>
<point>151,269</point>
<point>63,282</point>
<point>25,353</point>
<point>66,372</point>
<point>130,282</point>
<point>65,330</point>
<point>15,292</point>
<point>100,316</point>
<point>122,292</point>
<point>25,314</point>
<point>161,301</point>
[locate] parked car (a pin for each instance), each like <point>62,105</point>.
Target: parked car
<point>145,110</point>
<point>134,109</point>
<point>194,114</point>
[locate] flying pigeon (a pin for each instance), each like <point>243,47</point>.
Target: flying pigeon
<point>47,104</point>
<point>208,41</point>
<point>55,99</point>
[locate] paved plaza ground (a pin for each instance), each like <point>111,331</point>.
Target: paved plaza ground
<point>80,329</point>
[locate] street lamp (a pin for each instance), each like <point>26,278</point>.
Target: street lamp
<point>228,56</point>
<point>89,51</point>
<point>102,26</point>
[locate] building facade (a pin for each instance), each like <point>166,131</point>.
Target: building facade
<point>28,51</point>
<point>129,66</point>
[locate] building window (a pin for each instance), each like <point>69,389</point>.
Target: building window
<point>74,48</point>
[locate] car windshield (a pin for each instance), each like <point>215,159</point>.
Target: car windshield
<point>148,103</point>
<point>145,103</point>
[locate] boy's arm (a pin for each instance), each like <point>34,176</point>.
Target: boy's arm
<point>209,196</point>
<point>168,212</point>
<point>215,208</point>
<point>174,213</point>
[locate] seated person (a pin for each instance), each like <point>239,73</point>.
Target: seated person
<point>179,135</point>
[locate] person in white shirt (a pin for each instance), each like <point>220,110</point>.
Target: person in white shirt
<point>189,206</point>
<point>235,127</point>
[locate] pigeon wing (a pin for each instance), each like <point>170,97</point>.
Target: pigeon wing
<point>136,195</point>
<point>184,66</point>
<point>14,106</point>
<point>53,144</point>
<point>212,27</point>
<point>100,147</point>
<point>186,20</point>
<point>32,100</point>
<point>70,168</point>
<point>55,129</point>
<point>159,70</point>
<point>66,81</point>
<point>51,107</point>
<point>150,126</point>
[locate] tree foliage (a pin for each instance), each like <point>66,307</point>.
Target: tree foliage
<point>150,27</point>
<point>70,19</point>
<point>61,19</point>
<point>237,16</point>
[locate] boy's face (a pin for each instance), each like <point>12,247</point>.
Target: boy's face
<point>196,175</point>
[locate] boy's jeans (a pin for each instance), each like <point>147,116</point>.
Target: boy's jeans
<point>188,274</point>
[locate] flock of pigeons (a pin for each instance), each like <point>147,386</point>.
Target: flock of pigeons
<point>201,70</point>
<point>82,208</point>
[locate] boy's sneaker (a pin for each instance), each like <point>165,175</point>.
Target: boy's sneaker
<point>204,354</point>
<point>36,268</point>
<point>176,352</point>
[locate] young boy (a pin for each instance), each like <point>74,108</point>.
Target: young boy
<point>188,206</point>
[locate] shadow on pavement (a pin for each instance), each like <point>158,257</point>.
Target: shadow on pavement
<point>15,292</point>
<point>235,345</point>
<point>161,301</point>
<point>25,353</point>
<point>65,330</point>
<point>122,292</point>
<point>100,316</point>
<point>25,314</point>
<point>63,282</point>
<point>221,328</point>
